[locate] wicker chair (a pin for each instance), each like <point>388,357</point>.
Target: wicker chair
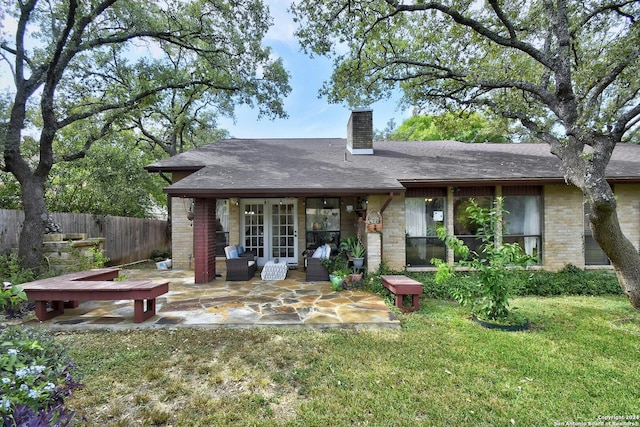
<point>316,271</point>
<point>241,268</point>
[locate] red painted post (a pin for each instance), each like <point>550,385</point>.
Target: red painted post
<point>204,240</point>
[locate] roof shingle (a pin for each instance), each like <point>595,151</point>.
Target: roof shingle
<point>324,166</point>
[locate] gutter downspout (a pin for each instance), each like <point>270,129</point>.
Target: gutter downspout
<point>389,199</point>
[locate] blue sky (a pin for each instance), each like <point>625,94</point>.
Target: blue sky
<point>309,116</point>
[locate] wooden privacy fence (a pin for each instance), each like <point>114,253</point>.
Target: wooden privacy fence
<point>126,239</point>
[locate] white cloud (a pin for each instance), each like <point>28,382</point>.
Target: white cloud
<point>283,27</point>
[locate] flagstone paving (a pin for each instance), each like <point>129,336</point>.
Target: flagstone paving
<point>291,302</point>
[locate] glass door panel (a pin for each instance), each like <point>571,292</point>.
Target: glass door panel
<point>253,226</point>
<point>283,232</point>
<point>270,229</point>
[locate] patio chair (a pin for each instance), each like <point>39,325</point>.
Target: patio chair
<point>239,267</point>
<point>316,271</point>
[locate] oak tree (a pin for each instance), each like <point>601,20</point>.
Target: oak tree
<point>567,70</point>
<point>95,63</point>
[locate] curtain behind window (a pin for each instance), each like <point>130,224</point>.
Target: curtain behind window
<point>416,217</point>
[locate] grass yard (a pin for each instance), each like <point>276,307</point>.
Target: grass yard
<point>578,364</point>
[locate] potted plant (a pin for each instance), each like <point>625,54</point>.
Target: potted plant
<point>358,252</point>
<point>339,271</point>
<point>354,279</point>
<point>353,246</point>
<point>347,243</point>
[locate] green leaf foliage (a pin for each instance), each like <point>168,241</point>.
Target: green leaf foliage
<point>489,298</point>
<point>98,69</point>
<point>455,126</point>
<point>109,180</point>
<point>519,59</point>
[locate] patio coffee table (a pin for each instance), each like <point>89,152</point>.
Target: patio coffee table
<point>274,271</point>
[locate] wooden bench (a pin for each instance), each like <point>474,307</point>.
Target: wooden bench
<point>401,286</point>
<point>67,290</point>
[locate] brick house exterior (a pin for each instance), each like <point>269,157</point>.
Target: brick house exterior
<point>285,182</point>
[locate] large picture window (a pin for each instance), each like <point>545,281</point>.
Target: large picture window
<point>593,254</point>
<point>522,223</point>
<point>463,227</point>
<point>423,216</point>
<point>222,225</point>
<point>323,221</point>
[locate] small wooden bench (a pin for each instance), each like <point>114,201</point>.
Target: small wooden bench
<point>67,290</point>
<point>401,286</point>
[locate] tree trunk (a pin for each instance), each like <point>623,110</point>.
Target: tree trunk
<point>623,255</point>
<point>32,184</point>
<point>589,174</point>
<point>35,219</point>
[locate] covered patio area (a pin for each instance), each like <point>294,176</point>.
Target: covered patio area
<point>291,302</point>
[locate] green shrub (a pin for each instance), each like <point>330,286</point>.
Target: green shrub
<point>492,264</point>
<point>35,378</point>
<point>10,270</point>
<point>160,254</point>
<point>97,259</point>
<point>13,300</point>
<point>569,281</point>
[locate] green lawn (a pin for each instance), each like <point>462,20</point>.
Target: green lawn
<point>578,363</point>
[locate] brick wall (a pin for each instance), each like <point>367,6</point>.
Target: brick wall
<point>563,227</point>
<point>181,234</point>
<point>628,196</point>
<point>360,131</point>
<point>393,232</point>
<point>234,225</point>
<point>181,230</point>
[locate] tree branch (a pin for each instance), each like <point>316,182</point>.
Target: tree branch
<point>605,8</point>
<point>612,76</point>
<point>137,98</point>
<point>501,16</point>
<point>476,26</point>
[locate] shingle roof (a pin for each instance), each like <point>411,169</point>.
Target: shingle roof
<point>324,166</point>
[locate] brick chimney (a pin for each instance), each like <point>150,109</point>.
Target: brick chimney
<point>360,132</point>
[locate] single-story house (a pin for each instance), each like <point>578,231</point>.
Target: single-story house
<point>281,197</point>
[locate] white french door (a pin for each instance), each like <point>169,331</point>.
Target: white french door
<point>269,228</point>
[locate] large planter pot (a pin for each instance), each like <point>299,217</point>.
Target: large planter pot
<point>498,326</point>
<point>358,262</point>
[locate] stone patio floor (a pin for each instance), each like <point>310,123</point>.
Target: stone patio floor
<point>291,302</point>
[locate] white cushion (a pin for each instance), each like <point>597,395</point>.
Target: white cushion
<point>327,251</point>
<point>228,250</point>
<point>319,253</point>
<point>251,263</point>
